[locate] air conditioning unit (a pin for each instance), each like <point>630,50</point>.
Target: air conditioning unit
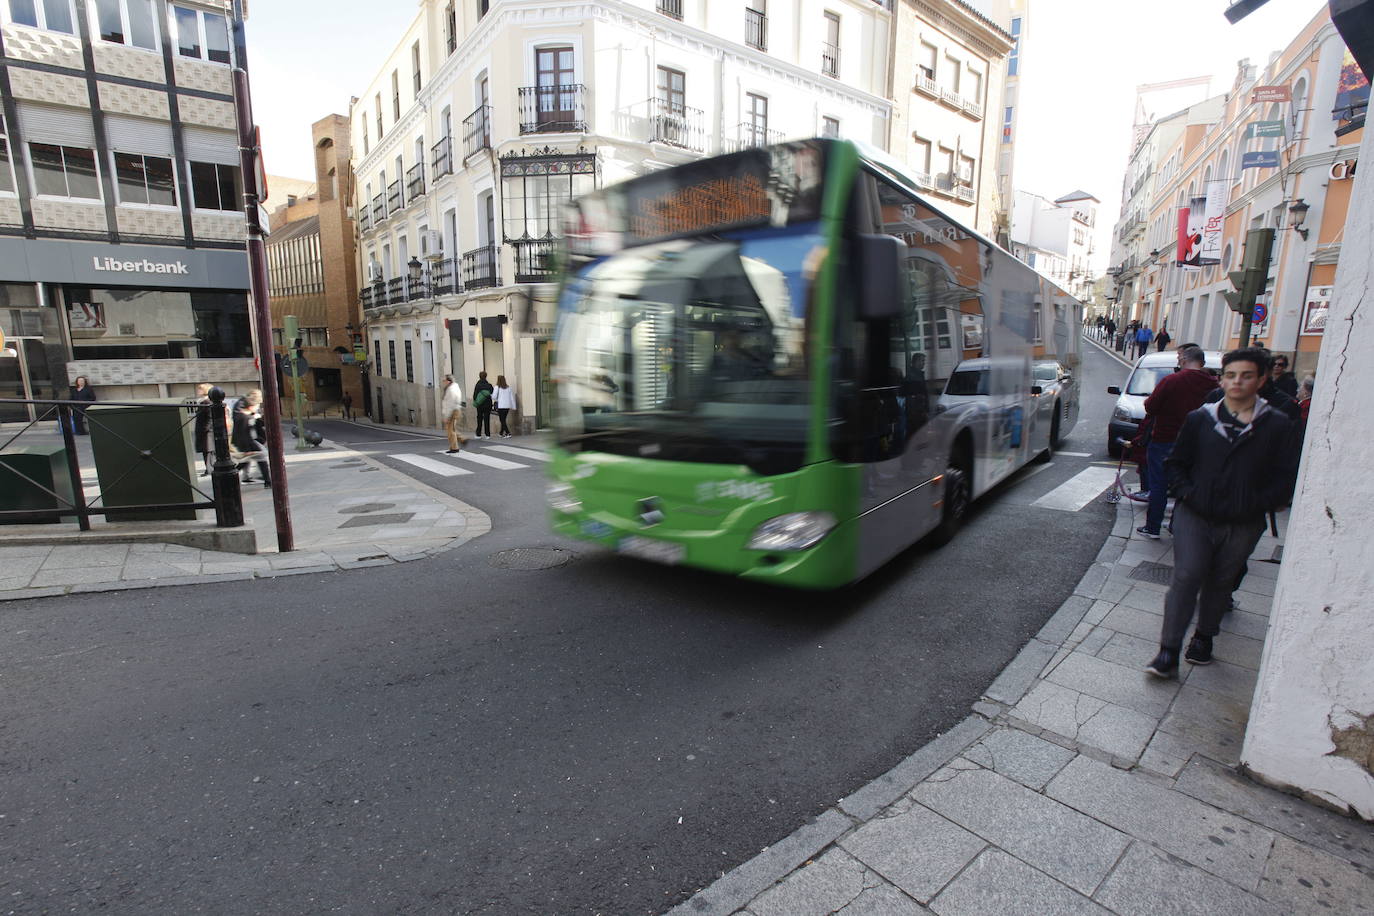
<point>374,272</point>
<point>433,244</point>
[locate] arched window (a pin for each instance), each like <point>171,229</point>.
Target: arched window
<point>1224,169</point>
<point>1298,119</point>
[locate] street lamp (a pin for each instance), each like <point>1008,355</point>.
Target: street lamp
<point>1297,215</point>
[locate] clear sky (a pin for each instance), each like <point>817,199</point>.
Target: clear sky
<point>1081,63</point>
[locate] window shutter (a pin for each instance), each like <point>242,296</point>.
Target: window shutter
<point>206,145</point>
<point>139,135</point>
<point>63,126</point>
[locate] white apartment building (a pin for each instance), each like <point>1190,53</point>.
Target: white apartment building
<point>1056,238</point>
<point>488,116</point>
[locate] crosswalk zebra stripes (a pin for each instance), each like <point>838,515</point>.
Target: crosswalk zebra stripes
<point>452,465</point>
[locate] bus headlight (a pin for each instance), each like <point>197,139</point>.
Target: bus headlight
<point>794,531</point>
<point>562,498</point>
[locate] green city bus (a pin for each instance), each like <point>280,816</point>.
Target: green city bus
<point>786,364</point>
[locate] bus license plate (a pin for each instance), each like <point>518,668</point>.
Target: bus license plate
<point>649,549</point>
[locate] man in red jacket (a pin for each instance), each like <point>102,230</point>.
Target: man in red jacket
<point>1166,408</point>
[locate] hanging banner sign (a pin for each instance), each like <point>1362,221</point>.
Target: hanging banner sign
<point>1317,308</point>
<point>1271,94</point>
<point>1265,159</point>
<point>1264,129</point>
<point>1214,221</point>
<point>1190,219</point>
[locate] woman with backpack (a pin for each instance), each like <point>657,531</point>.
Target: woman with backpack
<point>505,403</point>
<point>482,400</point>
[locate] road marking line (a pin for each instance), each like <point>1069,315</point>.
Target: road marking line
<point>1074,454</point>
<point>1079,490</point>
<point>489,460</point>
<point>522,452</point>
<point>431,465</point>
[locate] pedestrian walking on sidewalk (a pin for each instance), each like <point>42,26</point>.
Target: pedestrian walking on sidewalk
<point>1162,339</point>
<point>452,409</point>
<point>347,406</point>
<point>483,400</point>
<point>248,440</point>
<point>81,391</point>
<point>505,403</point>
<point>1234,461</point>
<point>1142,341</point>
<point>1166,408</point>
<point>205,443</point>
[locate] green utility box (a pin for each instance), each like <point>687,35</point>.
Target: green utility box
<point>143,458</point>
<point>44,464</point>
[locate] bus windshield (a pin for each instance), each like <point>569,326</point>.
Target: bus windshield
<point>691,350</point>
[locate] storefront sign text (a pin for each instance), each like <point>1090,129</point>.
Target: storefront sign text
<point>142,266</point>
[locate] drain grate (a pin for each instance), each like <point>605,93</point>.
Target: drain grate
<point>366,508</point>
<point>531,558</point>
<point>363,521</point>
<point>1158,573</point>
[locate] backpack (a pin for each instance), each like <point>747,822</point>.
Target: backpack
<point>483,398</point>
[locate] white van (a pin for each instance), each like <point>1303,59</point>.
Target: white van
<point>1130,401</point>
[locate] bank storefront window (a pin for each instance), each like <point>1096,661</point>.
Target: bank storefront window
<point>157,324</point>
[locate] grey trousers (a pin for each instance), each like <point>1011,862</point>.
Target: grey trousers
<point>1207,557</point>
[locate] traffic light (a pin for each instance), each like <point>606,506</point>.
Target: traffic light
<point>1251,279</point>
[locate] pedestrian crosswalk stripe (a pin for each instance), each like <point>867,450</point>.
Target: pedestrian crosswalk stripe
<point>432,465</point>
<point>522,452</point>
<point>1079,490</point>
<point>490,461</point>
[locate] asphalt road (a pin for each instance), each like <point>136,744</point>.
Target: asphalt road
<point>447,736</point>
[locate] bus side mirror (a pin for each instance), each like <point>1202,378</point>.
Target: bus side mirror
<point>880,273</point>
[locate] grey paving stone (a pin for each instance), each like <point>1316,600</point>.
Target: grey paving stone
<point>1209,723</point>
<point>1092,581</point>
<point>1017,755</point>
<point>997,883</point>
<point>1087,720</point>
<point>1113,590</point>
<point>1257,585</point>
<point>1343,837</point>
<point>1021,673</point>
<point>919,851</point>
<point>19,567</point>
<point>1245,624</point>
<point>1299,879</point>
<point>20,594</point>
<point>1165,755</point>
<point>1134,621</point>
<point>1221,843</point>
<point>1128,687</point>
<point>1148,882</point>
<point>883,900</point>
<point>826,885</point>
<point>297,571</point>
<point>1238,650</point>
<point>73,576</point>
<point>1253,603</point>
<point>1054,838</point>
<point>896,782</point>
<point>14,582</point>
<point>1144,599</point>
<point>85,556</point>
<point>1061,624</point>
<point>147,568</point>
<point>18,551</point>
<point>1095,640</point>
<point>1230,681</point>
<point>1127,650</point>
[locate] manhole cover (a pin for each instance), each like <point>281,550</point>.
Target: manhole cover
<point>365,508</point>
<point>1157,573</point>
<point>531,558</point>
<point>362,521</point>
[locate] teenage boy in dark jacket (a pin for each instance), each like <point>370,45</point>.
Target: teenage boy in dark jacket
<point>1174,398</point>
<point>1234,461</point>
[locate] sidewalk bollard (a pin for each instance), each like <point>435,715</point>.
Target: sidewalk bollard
<point>225,478</point>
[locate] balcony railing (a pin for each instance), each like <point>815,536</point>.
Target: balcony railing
<point>553,109</point>
<point>949,97</point>
<point>415,182</point>
<point>748,136</point>
<point>756,29</point>
<point>964,193</point>
<point>395,197</point>
<point>444,277</point>
<point>677,125</point>
<point>971,108</point>
<point>404,289</point>
<point>480,268</point>
<point>671,8</point>
<point>1133,225</point>
<point>477,131</point>
<point>364,218</point>
<point>378,209</point>
<point>441,155</point>
<point>533,260</point>
<point>922,179</point>
<point>927,85</point>
<point>830,59</point>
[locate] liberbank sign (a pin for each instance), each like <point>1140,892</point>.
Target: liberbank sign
<point>101,264</point>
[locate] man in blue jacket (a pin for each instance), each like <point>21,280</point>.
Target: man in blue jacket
<point>1142,340</point>
<point>1234,461</point>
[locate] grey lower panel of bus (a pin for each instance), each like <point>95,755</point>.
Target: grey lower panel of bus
<point>889,528</point>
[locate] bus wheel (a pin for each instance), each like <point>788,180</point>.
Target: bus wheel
<point>958,498</point>
<point>1054,427</point>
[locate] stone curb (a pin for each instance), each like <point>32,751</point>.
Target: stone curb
<point>1109,351</point>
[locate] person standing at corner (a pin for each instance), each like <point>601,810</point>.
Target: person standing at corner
<point>1166,408</point>
<point>483,400</point>
<point>1234,461</point>
<point>204,442</point>
<point>452,409</point>
<point>81,391</point>
<point>347,406</point>
<point>505,403</point>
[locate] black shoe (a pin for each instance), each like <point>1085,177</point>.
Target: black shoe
<point>1152,535</point>
<point>1165,664</point>
<point>451,451</point>
<point>267,484</point>
<point>1199,650</point>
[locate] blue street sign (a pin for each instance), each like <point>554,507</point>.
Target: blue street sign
<point>1261,313</point>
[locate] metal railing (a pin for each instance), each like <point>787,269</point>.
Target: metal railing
<point>438,277</point>
<point>477,131</point>
<point>830,59</point>
<point>364,218</point>
<point>395,197</point>
<point>533,259</point>
<point>441,155</point>
<point>443,276</point>
<point>480,268</point>
<point>378,208</point>
<point>415,182</point>
<point>677,125</point>
<point>225,497</point>
<point>755,29</point>
<point>553,109</point>
<point>671,8</point>
<point>748,136</point>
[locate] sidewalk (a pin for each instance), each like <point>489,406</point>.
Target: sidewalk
<point>1079,785</point>
<point>347,510</point>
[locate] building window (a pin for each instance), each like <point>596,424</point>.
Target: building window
<point>395,96</point>
<point>127,22</point>
<point>756,124</point>
<point>450,29</point>
<point>145,180</point>
<point>927,59</point>
<point>362,129</point>
<point>6,166</point>
<point>215,186</point>
<point>955,68</point>
<point>202,34</point>
<point>64,171</point>
<point>482,7</point>
<point>830,127</point>
<point>415,66</point>
<point>410,362</point>
<point>132,323</point>
<point>378,108</point>
<point>1006,125</point>
<point>975,87</point>
<point>537,188</point>
<point>756,24</point>
<point>391,354</point>
<point>672,90</point>
<point>53,15</point>
<point>376,357</point>
<point>830,50</point>
<point>314,337</point>
<point>922,151</point>
<point>1014,58</point>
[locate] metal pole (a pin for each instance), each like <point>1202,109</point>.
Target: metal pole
<point>225,478</point>
<point>66,417</point>
<point>257,266</point>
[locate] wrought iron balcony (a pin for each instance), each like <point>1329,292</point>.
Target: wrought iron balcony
<point>553,109</point>
<point>755,29</point>
<point>364,218</point>
<point>748,136</point>
<point>672,8</point>
<point>533,260</point>
<point>443,276</point>
<point>441,158</point>
<point>480,268</point>
<point>965,193</point>
<point>477,131</point>
<point>677,125</point>
<point>1133,226</point>
<point>378,209</point>
<point>395,197</point>
<point>415,182</point>
<point>830,59</point>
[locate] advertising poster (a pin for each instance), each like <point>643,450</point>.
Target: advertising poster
<point>1315,309</point>
<point>1214,221</point>
<point>1190,225</point>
